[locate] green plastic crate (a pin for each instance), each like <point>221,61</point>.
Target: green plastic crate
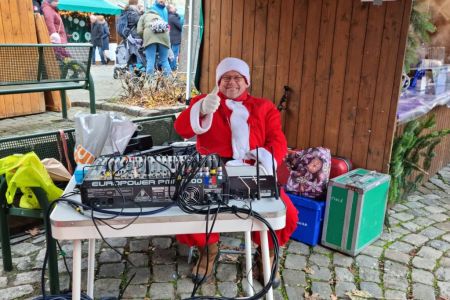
<point>355,210</point>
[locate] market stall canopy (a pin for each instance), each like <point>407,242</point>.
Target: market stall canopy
<point>93,6</point>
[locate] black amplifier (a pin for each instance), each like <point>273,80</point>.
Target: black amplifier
<point>148,181</point>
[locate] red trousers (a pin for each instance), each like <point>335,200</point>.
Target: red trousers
<point>283,235</point>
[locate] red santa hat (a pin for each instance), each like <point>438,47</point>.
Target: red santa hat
<point>232,64</point>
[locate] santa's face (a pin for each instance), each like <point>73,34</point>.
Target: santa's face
<point>232,84</point>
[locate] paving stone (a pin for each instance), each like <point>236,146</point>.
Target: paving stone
<point>323,250</point>
<point>424,221</point>
<point>396,256</point>
<point>343,274</point>
<point>423,263</point>
<point>160,291</point>
<point>394,268</point>
<point>183,268</point>
<point>403,217</point>
<point>439,245</point>
<point>226,272</point>
<point>446,237</point>
<point>138,259</point>
<point>24,249</point>
<point>444,226</point>
<point>228,289</point>
<point>107,287</point>
<point>395,283</point>
<point>109,256</point>
<point>184,286</point>
<point>255,287</point>
<point>117,242</point>
<point>373,251</point>
<point>142,275</point>
<point>401,247</point>
<point>440,217</point>
<point>27,277</point>
<point>3,282</point>
<point>342,260</point>
<point>413,198</point>
<point>443,274</point>
<point>379,243</point>
<point>445,262</point>
<point>209,288</point>
<point>231,243</point>
<point>111,270</point>
<point>320,273</point>
<point>445,288</point>
<point>411,226</point>
<point>342,288</point>
<point>294,278</point>
<point>164,256</point>
<point>23,263</point>
<point>164,273</point>
<point>16,292</point>
<point>369,275</point>
<point>298,248</point>
<point>295,262</point>
<point>295,293</point>
<point>419,212</point>
<point>139,245</point>
<point>367,261</point>
<point>162,242</point>
<point>414,204</point>
<point>435,209</point>
<point>399,207</point>
<point>431,232</point>
<point>428,252</point>
<point>390,236</point>
<point>135,291</point>
<point>373,289</point>
<point>323,289</point>
<point>421,276</point>
<point>416,239</point>
<point>423,292</point>
<point>319,259</point>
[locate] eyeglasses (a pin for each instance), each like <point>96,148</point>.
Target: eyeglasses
<point>227,79</point>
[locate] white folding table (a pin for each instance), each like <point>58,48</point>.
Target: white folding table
<point>68,224</point>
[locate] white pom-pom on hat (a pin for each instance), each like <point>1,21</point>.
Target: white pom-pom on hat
<point>232,64</point>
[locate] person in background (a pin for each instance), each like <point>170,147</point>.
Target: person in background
<point>233,124</point>
<point>37,7</point>
<point>105,37</point>
<point>160,8</point>
<point>96,38</point>
<point>53,21</point>
<point>133,15</point>
<point>155,41</point>
<point>175,35</point>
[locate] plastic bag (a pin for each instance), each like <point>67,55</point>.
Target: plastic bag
<point>101,134</point>
<point>24,171</point>
<point>310,172</point>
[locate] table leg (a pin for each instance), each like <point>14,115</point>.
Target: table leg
<point>76,270</point>
<point>91,268</point>
<point>248,262</point>
<point>266,261</point>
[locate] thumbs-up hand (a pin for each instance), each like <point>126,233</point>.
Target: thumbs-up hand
<point>211,102</point>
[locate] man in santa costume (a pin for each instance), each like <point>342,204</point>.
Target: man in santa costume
<point>232,123</point>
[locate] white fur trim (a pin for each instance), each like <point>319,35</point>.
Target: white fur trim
<point>265,159</point>
<point>232,64</point>
<point>200,126</point>
<point>240,131</point>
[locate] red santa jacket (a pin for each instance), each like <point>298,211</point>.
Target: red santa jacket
<point>215,134</point>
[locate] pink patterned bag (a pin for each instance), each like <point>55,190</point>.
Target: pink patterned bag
<point>310,171</point>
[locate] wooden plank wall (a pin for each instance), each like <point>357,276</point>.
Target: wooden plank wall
<point>17,26</point>
<point>341,58</point>
<point>442,158</point>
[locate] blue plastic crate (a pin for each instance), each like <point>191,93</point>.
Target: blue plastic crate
<point>310,218</point>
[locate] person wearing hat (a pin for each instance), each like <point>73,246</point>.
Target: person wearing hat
<point>232,123</point>
<point>53,21</point>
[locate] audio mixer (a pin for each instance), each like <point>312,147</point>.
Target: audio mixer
<point>149,181</point>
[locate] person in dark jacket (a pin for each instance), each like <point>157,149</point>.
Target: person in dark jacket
<point>96,39</point>
<point>37,7</point>
<point>105,37</point>
<point>133,15</point>
<point>175,35</point>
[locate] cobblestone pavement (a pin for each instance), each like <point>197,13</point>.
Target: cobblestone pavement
<point>412,261</point>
